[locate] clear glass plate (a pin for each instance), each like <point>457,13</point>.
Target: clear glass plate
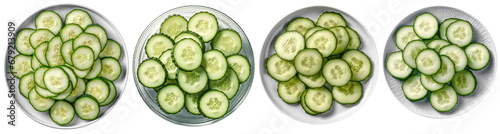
<point>43,117</point>
<point>484,77</point>
<point>338,111</point>
<point>149,95</point>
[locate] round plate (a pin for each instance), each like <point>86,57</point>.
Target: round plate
<point>338,111</point>
<point>484,77</point>
<point>43,117</point>
<point>149,95</point>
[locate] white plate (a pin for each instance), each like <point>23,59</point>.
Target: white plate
<point>149,95</point>
<point>43,117</point>
<point>338,111</point>
<point>484,77</point>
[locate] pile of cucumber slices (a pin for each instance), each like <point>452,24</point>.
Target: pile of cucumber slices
<point>194,65</point>
<point>309,55</point>
<point>437,59</point>
<point>67,67</point>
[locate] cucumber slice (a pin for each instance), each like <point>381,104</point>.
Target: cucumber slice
<point>348,94</point>
<point>187,54</point>
<point>411,51</point>
<point>65,94</point>
<point>229,84</point>
<point>99,89</point>
<point>428,62</point>
<point>429,83</point>
<point>62,112</point>
<point>194,81</point>
<point>241,66</point>
<point>337,72</point>
<point>171,99</point>
<point>40,36</point>
<point>49,20</point>
<point>290,91</point>
<point>397,67</point>
<point>151,73</point>
<point>26,84</point>
<point>67,51</point>
<point>318,100</point>
<point>44,92</point>
<point>34,62</point>
<point>324,40</point>
<point>447,71</point>
<point>314,81</point>
<point>190,35</point>
<point>300,25</point>
<point>460,33</point>
<point>53,52</point>
<point>310,31</point>
<point>464,82</point>
<point>71,75</point>
<point>173,25</point>
<point>40,53</point>
<point>342,37</point>
<point>204,24</point>
<point>78,90</point>
<point>425,25</point>
<point>437,44</point>
<point>355,41</point>
<point>288,44</point>
<point>83,58</point>
<point>361,66</point>
<point>20,65</point>
<point>99,32</point>
<point>23,42</point>
<point>213,104</point>
<point>56,80</point>
<point>112,49</point>
<point>157,44</point>
<point>78,16</point>
<point>112,94</point>
<point>39,72</point>
<point>215,64</point>
<point>413,89</point>
<point>191,103</point>
<point>279,69</point>
<point>87,107</point>
<point>444,99</point>
<point>308,62</point>
<point>40,103</point>
<point>330,19</point>
<point>95,71</point>
<point>457,55</point>
<point>444,25</point>
<point>167,60</point>
<point>90,40</point>
<point>404,35</point>
<point>111,68</point>
<point>227,41</point>
<point>70,31</point>
<point>478,56</point>
<point>303,104</point>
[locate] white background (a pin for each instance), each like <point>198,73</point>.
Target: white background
<point>381,114</point>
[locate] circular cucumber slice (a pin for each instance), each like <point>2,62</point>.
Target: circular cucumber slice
<point>26,84</point>
<point>411,51</point>
<point>425,25</point>
<point>40,103</point>
<point>40,36</point>
<point>288,44</point>
<point>227,41</point>
<point>437,44</point>
<point>413,89</point>
<point>319,100</point>
<point>241,66</point>
<point>478,56</point>
<point>78,16</point>
<point>460,33</point>
<point>348,94</point>
<point>70,31</point>
<point>279,69</point>
<point>314,81</point>
<point>428,62</point>
<point>173,25</point>
<point>167,60</point>
<point>98,88</point>
<point>83,58</point>
<point>62,112</point>
<point>330,19</point>
<point>204,24</point>
<point>56,80</point>
<point>171,99</point>
<point>229,84</point>
<point>444,99</point>
<point>99,32</point>
<point>23,41</point>
<point>300,25</point>
<point>194,81</point>
<point>111,68</point>
<point>87,107</point>
<point>337,72</point>
<point>151,73</point>
<point>308,62</point>
<point>49,20</point>
<point>397,67</point>
<point>290,91</point>
<point>157,44</point>
<point>361,66</point>
<point>215,63</point>
<point>213,104</point>
<point>464,82</point>
<point>342,37</point>
<point>404,35</point>
<point>187,55</point>
<point>447,71</point>
<point>457,55</point>
<point>324,40</point>
<point>20,65</point>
